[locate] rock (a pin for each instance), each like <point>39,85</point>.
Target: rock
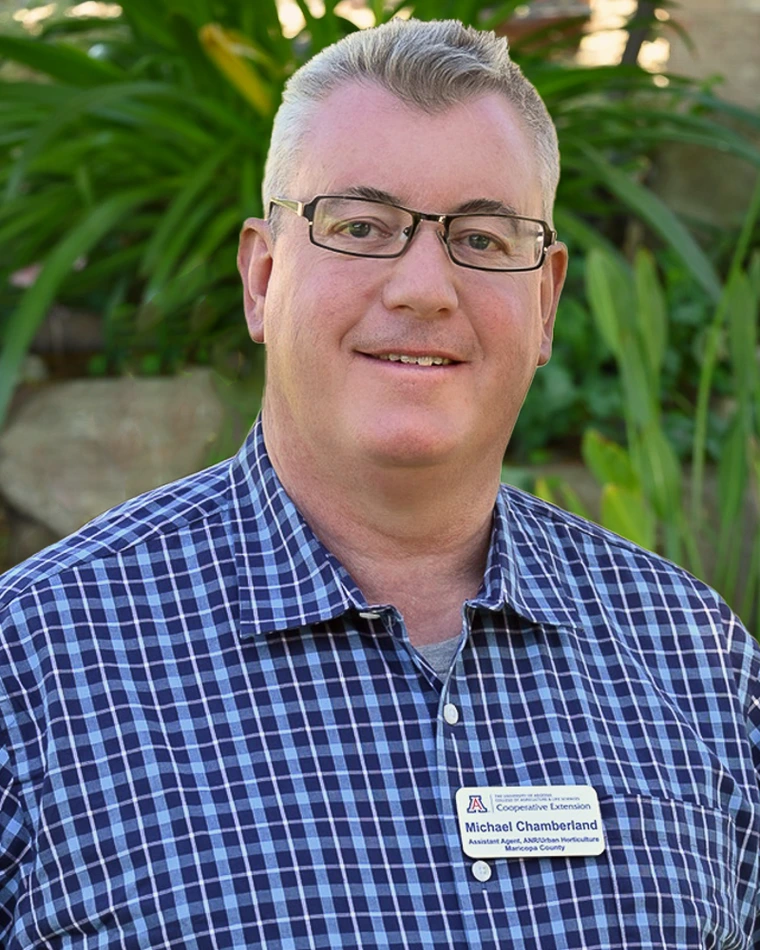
<point>33,369</point>
<point>77,448</point>
<point>25,537</point>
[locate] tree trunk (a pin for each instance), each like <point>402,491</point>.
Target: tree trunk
<point>641,22</point>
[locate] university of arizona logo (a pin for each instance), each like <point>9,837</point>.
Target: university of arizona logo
<point>476,805</point>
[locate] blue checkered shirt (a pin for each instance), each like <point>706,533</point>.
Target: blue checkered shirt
<point>210,739</point>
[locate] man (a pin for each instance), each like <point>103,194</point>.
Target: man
<point>344,691</point>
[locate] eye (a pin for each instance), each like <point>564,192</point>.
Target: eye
<point>360,228</point>
<point>479,242</point>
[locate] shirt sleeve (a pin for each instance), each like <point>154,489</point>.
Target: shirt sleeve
<point>744,651</point>
<point>745,656</point>
<point>15,841</point>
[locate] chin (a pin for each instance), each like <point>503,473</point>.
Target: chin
<point>407,444</point>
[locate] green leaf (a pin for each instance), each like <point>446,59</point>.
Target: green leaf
<point>226,226</point>
<point>83,24</point>
<point>742,310</point>
<point>79,104</point>
<point>556,491</point>
<point>177,243</point>
<point>35,303</point>
<point>172,220</point>
<point>710,357</point>
<point>611,294</point>
<point>32,94</point>
<point>626,513</point>
<point>753,272</point>
<point>229,52</point>
<point>640,388</point>
<point>565,83</point>
<point>660,472</point>
<point>733,470</point>
<point>571,225</point>
<point>714,104</point>
<point>609,291</point>
<point>100,273</point>
<point>652,314</point>
<point>608,461</point>
<point>32,212</point>
<point>177,293</point>
<point>571,501</point>
<point>727,146</point>
<point>162,121</point>
<point>498,16</point>
<point>661,219</point>
<point>542,489</point>
<point>659,125</point>
<point>59,61</point>
<point>148,20</point>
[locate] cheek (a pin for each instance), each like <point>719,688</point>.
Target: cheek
<point>512,323</point>
<point>300,335</point>
<point>286,313</point>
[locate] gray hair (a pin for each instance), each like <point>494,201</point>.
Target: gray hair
<point>430,66</point>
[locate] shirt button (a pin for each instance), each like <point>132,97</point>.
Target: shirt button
<point>369,615</point>
<point>481,871</point>
<point>451,714</point>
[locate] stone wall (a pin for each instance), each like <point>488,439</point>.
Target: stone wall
<point>726,38</point>
<point>726,35</point>
<point>74,449</point>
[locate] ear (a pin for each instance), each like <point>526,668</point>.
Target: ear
<point>553,275</point>
<point>254,262</point>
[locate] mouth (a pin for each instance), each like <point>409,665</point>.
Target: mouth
<point>413,359</point>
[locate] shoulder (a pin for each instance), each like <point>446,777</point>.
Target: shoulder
<point>151,517</point>
<point>614,584</point>
<point>576,546</point>
<point>633,606</point>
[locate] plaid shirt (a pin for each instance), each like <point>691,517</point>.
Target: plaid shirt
<point>210,739</point>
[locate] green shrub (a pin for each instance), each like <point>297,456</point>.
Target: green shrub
<point>137,146</point>
<point>645,495</point>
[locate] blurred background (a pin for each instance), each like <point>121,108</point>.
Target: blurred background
<point>132,143</point>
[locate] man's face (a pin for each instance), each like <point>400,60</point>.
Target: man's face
<point>326,318</point>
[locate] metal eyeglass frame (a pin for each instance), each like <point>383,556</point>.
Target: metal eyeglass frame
<point>306,210</point>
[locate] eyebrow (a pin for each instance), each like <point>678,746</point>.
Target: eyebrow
<point>473,206</point>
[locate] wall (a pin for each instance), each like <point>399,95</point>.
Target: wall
<point>726,36</point>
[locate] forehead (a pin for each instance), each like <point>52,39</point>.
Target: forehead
<point>362,135</point>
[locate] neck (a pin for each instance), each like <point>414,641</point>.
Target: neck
<point>416,538</point>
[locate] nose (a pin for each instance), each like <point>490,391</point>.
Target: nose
<point>423,279</point>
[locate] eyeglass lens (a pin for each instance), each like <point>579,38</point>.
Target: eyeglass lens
<point>372,229</point>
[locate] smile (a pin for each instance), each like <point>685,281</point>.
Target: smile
<point>416,360</point>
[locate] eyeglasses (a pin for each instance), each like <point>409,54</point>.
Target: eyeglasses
<point>366,227</point>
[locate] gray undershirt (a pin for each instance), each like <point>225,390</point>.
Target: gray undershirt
<point>440,655</point>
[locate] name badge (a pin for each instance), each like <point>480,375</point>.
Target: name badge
<point>538,821</point>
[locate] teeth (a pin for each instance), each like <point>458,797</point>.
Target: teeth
<point>417,360</point>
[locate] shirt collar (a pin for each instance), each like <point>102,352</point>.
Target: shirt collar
<point>288,579</point>
<point>526,569</point>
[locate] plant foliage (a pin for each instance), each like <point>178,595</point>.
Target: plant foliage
<point>645,496</point>
<point>134,150</point>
